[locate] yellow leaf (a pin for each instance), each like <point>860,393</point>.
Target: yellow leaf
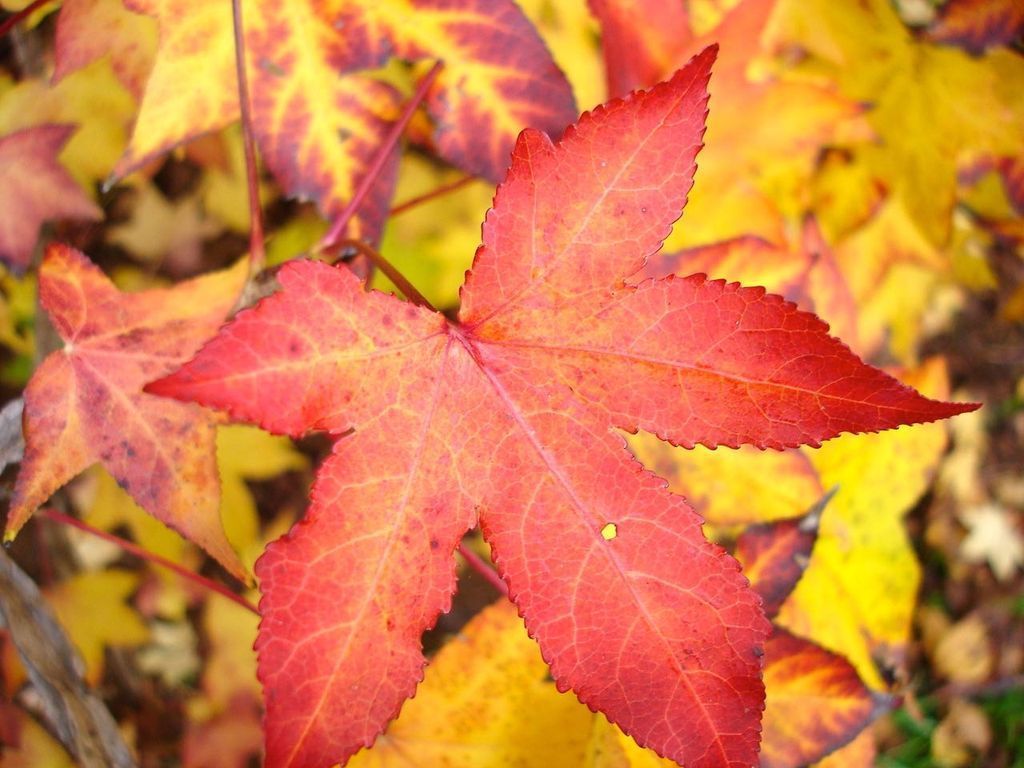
<point>225,189</point>
<point>932,106</point>
<point>17,311</point>
<point>230,667</point>
<point>37,748</point>
<point>728,486</point>
<point>433,243</point>
<point>765,129</point>
<point>91,98</point>
<point>486,702</point>
<point>859,591</point>
<point>571,34</point>
<point>295,237</point>
<point>192,88</point>
<point>108,506</point>
<point>893,272</point>
<point>92,608</point>
<point>162,230</point>
<point>247,453</point>
<point>969,254</point>
<point>844,194</point>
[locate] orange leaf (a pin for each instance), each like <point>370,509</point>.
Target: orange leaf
<point>641,40</point>
<point>318,131</point>
<point>35,187</point>
<point>859,753</point>
<point>816,702</point>
<point>775,555</point>
<point>763,127</point>
<point>85,403</point>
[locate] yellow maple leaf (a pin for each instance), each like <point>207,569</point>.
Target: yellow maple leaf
<point>92,607</point>
<point>486,702</point>
<point>766,126</point>
<point>224,188</point>
<point>932,106</point>
<point>91,98</point>
<point>35,748</point>
<point>893,272</point>
<point>433,244</point>
<point>230,668</point>
<point>733,486</point>
<point>858,593</point>
<point>103,504</point>
<point>247,453</point>
<point>17,311</point>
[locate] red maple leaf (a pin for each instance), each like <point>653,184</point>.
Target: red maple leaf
<point>506,418</point>
<point>35,187</point>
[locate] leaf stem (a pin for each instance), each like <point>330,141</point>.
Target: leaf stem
<point>257,252</point>
<point>433,194</point>
<point>28,10</point>
<point>477,564</point>
<point>152,557</point>
<point>380,159</point>
<point>385,266</point>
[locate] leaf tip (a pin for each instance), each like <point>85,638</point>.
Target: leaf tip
<point>168,386</point>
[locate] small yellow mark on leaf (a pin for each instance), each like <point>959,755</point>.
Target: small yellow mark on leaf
<point>610,531</point>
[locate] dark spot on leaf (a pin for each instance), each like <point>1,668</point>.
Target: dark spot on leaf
<point>271,68</point>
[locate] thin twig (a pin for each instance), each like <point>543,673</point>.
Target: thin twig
<point>257,251</point>
<point>432,195</point>
<point>28,10</point>
<point>385,266</point>
<point>152,557</point>
<point>477,564</point>
<point>379,160</point>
